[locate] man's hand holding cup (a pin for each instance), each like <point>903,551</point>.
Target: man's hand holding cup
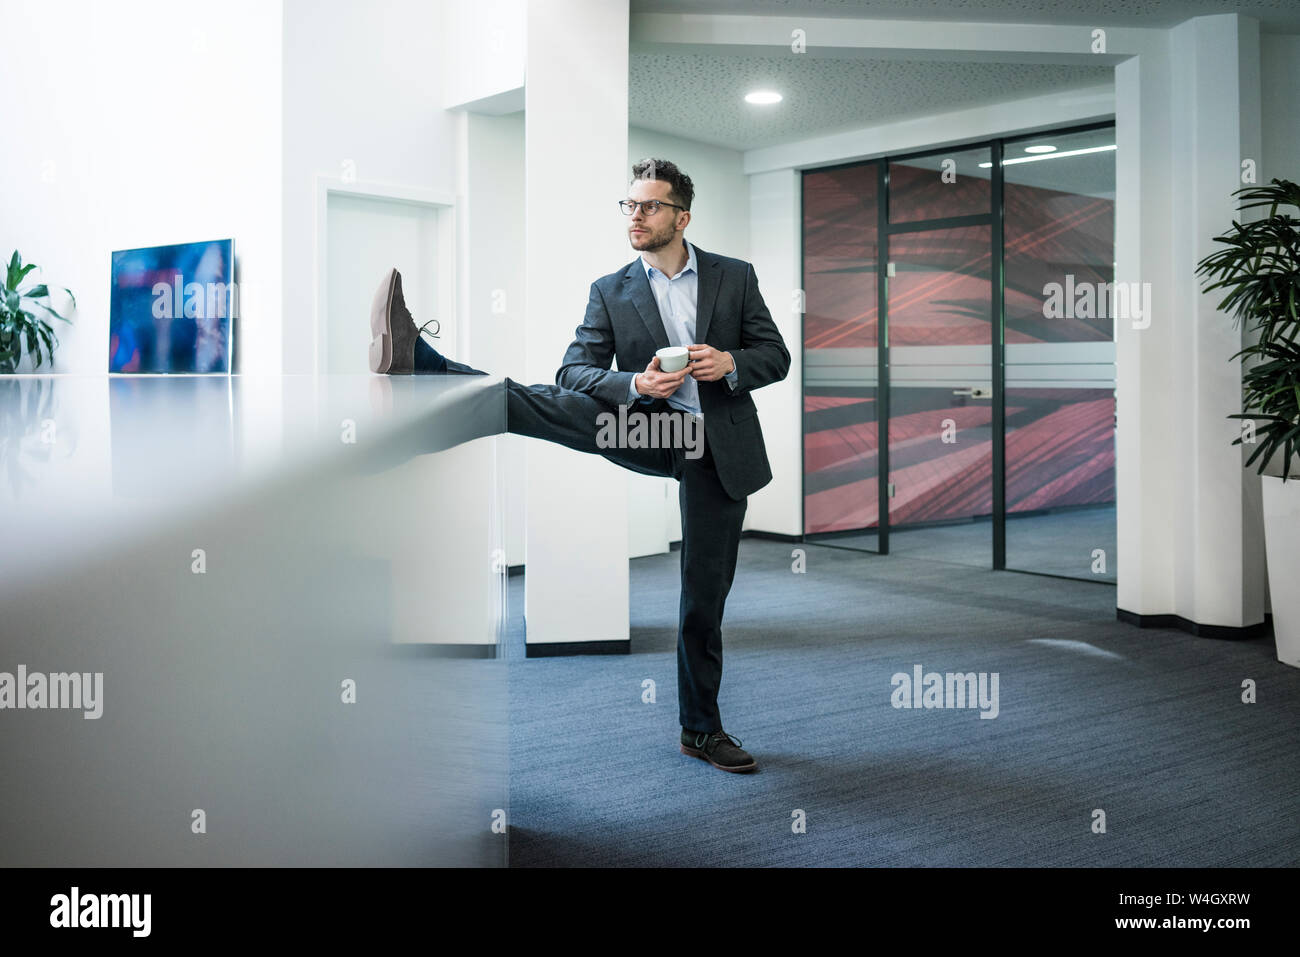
<point>665,373</point>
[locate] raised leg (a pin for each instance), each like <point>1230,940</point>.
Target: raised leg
<point>549,412</point>
<point>573,419</point>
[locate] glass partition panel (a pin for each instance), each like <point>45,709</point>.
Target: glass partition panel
<point>1059,234</point>
<point>841,467</point>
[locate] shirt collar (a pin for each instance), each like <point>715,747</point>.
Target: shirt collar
<point>690,261</point>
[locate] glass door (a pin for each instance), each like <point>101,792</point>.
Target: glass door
<point>1059,226</point>
<point>941,395</point>
<point>957,304</point>
<point>940,349</point>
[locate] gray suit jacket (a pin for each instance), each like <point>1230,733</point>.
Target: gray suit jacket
<point>623,323</point>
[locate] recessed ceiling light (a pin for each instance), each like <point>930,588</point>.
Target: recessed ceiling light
<point>1040,149</point>
<point>763,96</point>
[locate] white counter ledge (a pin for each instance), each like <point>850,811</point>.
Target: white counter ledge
<point>258,567</point>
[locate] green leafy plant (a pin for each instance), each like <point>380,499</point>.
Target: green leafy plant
<point>1260,268</point>
<point>19,324</point>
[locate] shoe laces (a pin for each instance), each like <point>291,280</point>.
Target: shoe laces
<point>431,322</point>
<point>721,735</point>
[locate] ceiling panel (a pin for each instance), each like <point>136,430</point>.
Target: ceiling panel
<point>702,97</point>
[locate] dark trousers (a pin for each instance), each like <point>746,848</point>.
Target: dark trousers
<point>711,522</point>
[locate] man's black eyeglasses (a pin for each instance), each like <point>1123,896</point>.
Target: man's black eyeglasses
<point>649,206</point>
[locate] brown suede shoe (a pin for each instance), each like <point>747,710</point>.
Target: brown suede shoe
<point>393,330</point>
<point>718,748</point>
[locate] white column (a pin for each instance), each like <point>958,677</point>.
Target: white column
<point>576,168</point>
<point>1146,449</point>
<point>1187,114</point>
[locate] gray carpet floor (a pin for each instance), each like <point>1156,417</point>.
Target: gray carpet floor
<point>1144,726</point>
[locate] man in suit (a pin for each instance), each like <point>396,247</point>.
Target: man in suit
<point>673,294</point>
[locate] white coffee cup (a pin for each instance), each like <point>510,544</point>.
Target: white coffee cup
<point>673,358</point>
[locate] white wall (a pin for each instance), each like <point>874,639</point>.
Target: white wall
<point>362,102</point>
<point>776,226</point>
<point>1067,107</point>
<point>142,123</point>
<point>481,52</point>
<point>365,237</point>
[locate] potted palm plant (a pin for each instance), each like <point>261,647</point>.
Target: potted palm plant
<point>1259,267</point>
<point>20,325</point>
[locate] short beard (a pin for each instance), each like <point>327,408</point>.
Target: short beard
<point>659,244</point>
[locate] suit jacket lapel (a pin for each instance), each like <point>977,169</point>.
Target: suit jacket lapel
<point>706,291</point>
<point>638,290</point>
<point>637,285</point>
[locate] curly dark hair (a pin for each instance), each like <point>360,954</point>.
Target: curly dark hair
<point>683,190</point>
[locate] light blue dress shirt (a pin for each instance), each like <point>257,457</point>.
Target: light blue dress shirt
<point>677,298</point>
